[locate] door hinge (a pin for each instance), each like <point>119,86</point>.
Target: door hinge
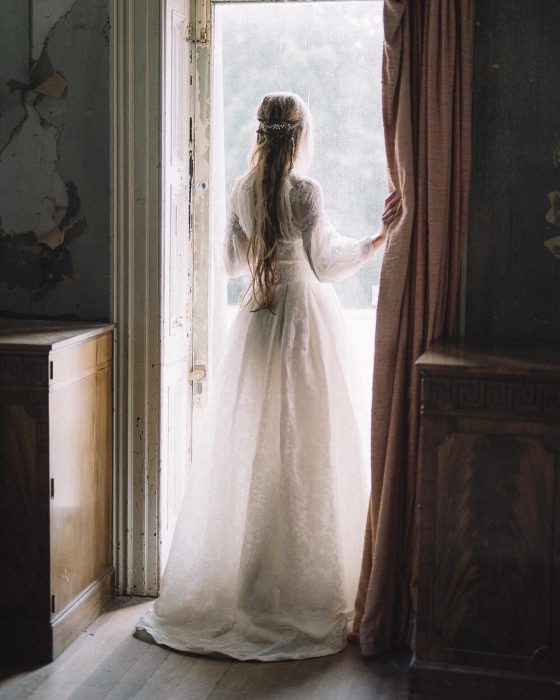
<point>53,603</point>
<point>198,27</point>
<point>52,488</point>
<point>192,36</point>
<point>51,369</point>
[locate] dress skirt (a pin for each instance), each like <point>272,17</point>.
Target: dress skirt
<point>266,554</point>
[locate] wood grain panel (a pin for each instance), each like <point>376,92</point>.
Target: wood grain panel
<point>24,336</point>
<point>73,362</point>
<point>488,594</point>
<point>81,612</point>
<point>24,533</point>
<point>103,468</point>
<point>80,466</point>
<point>492,568</point>
<point>56,483</point>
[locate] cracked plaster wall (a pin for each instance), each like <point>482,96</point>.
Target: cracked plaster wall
<point>54,158</point>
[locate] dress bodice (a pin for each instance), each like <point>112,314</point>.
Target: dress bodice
<point>309,238</point>
<point>291,250</point>
<point>292,263</point>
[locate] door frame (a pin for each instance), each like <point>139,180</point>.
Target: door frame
<point>137,259</point>
<point>135,273</point>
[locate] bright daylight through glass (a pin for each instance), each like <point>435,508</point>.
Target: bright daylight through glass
<point>330,54</point>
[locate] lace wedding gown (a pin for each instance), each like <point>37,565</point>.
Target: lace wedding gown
<point>266,554</point>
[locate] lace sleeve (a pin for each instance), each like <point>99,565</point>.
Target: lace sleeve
<point>332,256</point>
<point>236,243</point>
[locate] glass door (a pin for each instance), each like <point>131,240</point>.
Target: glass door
<point>330,53</point>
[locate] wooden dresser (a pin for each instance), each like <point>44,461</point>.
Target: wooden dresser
<point>488,620</point>
<point>56,568</point>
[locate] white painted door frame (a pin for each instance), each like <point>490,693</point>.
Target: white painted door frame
<point>136,218</point>
<point>151,193</point>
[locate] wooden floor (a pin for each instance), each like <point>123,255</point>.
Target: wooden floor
<point>108,662</point>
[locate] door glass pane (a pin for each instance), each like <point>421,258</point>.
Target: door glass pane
<point>330,54</point>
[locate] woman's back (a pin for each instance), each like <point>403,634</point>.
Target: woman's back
<point>306,232</point>
<point>298,202</point>
<point>265,559</point>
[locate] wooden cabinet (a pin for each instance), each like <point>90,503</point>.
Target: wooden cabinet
<point>55,483</point>
<point>488,607</point>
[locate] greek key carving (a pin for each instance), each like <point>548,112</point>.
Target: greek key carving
<point>510,396</point>
<point>468,394</point>
<point>498,395</point>
<point>23,370</point>
<point>437,392</point>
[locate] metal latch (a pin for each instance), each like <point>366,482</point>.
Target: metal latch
<point>197,373</point>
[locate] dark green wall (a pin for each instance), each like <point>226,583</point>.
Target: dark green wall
<point>54,158</point>
<point>59,148</point>
<point>513,283</point>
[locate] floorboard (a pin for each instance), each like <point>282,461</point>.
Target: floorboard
<point>108,663</point>
<point>138,676</point>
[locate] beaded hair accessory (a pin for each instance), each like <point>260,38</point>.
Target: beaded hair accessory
<point>272,129</point>
<point>267,128</point>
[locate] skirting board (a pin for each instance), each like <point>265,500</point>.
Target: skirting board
<point>72,621</point>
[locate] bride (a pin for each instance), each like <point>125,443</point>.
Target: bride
<point>266,553</point>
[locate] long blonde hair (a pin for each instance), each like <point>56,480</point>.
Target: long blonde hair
<point>283,137</point>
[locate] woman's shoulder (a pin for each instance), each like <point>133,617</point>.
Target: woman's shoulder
<point>239,190</point>
<point>305,189</point>
<point>240,183</point>
<point>304,183</point>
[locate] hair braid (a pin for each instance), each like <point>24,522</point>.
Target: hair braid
<point>282,121</point>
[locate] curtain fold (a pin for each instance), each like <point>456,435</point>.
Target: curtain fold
<point>427,74</point>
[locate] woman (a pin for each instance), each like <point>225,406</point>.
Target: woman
<point>267,548</point>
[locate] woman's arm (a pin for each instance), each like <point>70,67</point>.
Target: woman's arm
<point>332,256</point>
<point>236,245</point>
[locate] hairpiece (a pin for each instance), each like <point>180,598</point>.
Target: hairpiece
<point>270,128</point>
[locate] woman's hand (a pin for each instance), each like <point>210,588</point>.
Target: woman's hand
<point>391,210</point>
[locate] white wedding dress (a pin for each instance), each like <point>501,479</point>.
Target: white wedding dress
<point>266,554</point>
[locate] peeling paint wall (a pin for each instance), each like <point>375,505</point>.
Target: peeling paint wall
<point>513,285</point>
<point>54,158</point>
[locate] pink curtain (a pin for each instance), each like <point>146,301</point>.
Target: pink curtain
<point>427,70</point>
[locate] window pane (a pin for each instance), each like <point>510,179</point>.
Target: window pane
<point>329,53</point>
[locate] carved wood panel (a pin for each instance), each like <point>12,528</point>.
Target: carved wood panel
<point>494,396</point>
<point>488,594</point>
<point>493,546</point>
